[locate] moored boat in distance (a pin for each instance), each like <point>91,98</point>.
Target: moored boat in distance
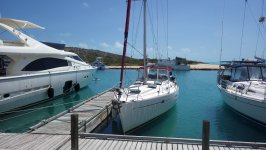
<point>243,87</point>
<point>176,64</point>
<point>98,63</point>
<point>31,71</point>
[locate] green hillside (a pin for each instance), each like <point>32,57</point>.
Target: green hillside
<point>110,59</point>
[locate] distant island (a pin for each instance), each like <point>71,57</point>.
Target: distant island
<point>110,59</point>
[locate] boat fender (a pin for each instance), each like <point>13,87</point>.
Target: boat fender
<point>77,87</point>
<point>50,92</point>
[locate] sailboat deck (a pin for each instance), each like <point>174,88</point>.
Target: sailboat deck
<point>118,142</point>
<point>146,92</point>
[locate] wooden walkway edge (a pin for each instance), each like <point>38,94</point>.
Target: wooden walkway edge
<point>29,141</point>
<point>91,113</point>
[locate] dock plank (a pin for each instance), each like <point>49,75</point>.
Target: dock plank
<point>149,144</point>
<point>153,146</point>
<point>138,147</point>
<point>123,146</point>
<point>159,146</point>
<point>29,141</point>
<point>108,144</point>
<point>195,147</point>
<point>180,146</point>
<point>133,145</point>
<point>129,143</point>
<point>118,145</point>
<point>112,145</point>
<point>164,146</point>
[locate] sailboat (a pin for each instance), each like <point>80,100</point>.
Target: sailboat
<point>153,93</point>
<point>242,85</point>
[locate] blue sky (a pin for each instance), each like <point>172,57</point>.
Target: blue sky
<point>194,26</point>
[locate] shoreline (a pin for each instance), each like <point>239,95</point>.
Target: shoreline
<point>192,67</point>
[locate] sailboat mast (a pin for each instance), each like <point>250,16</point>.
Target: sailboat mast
<point>144,43</point>
<point>125,42</point>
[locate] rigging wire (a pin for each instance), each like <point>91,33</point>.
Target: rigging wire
<point>152,27</point>
<point>163,18</point>
<point>167,28</point>
<point>222,34</point>
<point>133,27</point>
<point>242,32</point>
<point>138,24</point>
<point>134,48</point>
<point>157,29</point>
<point>255,20</point>
<point>262,8</point>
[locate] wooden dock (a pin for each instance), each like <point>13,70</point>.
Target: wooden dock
<point>29,141</point>
<point>91,113</point>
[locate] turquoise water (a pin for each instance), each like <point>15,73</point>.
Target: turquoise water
<point>199,99</point>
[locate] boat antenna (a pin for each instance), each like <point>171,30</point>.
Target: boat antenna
<point>144,41</point>
<point>242,32</point>
<point>125,42</point>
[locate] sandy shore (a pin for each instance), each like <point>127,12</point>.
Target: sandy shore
<point>204,67</point>
<point>192,67</point>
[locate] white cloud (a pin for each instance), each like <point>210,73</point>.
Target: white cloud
<point>103,44</point>
<point>85,4</point>
<point>83,45</point>
<point>169,47</point>
<point>118,45</point>
<point>186,50</point>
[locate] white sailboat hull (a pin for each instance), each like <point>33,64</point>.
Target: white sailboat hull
<point>23,90</point>
<point>252,108</point>
<point>135,113</point>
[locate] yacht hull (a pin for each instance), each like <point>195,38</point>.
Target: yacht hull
<point>136,113</point>
<point>28,89</point>
<point>251,108</point>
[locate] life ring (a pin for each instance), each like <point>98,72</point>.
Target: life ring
<point>50,92</point>
<point>77,87</point>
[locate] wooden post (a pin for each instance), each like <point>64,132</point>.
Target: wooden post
<point>205,135</point>
<point>74,131</point>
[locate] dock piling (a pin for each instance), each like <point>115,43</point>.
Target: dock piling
<point>74,132</point>
<point>205,135</point>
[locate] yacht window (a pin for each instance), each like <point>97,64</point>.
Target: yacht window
<point>8,39</point>
<point>239,74</point>
<point>254,73</point>
<point>45,63</point>
<point>77,58</point>
<point>2,67</point>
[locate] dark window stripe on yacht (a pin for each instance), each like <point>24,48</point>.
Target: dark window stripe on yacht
<point>44,64</point>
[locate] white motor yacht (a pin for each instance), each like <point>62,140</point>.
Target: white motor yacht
<point>31,71</point>
<point>243,87</point>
